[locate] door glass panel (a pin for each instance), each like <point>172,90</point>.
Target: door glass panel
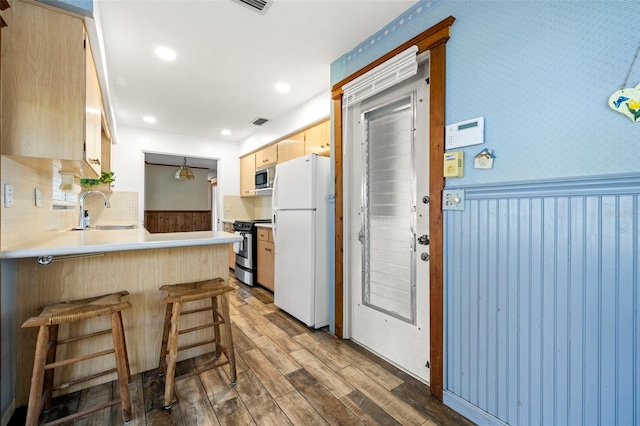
<point>389,185</point>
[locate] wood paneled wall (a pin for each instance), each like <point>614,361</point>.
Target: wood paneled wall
<point>156,221</point>
<point>542,303</point>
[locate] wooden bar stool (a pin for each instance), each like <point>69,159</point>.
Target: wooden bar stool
<point>45,362</point>
<point>215,289</point>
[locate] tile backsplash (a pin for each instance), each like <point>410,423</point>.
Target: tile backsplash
<point>262,208</point>
<point>123,210</point>
<point>24,222</point>
<point>239,208</point>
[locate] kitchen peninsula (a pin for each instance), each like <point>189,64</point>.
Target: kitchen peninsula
<point>93,262</point>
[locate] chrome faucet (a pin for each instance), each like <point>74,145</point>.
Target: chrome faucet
<point>81,222</point>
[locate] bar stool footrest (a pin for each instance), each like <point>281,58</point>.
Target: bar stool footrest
<point>85,336</point>
<point>78,359</point>
<point>194,345</point>
<point>195,311</point>
<point>84,413</point>
<point>202,370</point>
<point>84,379</point>
<point>200,327</point>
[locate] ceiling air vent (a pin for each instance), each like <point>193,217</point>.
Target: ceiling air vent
<point>259,121</point>
<point>259,6</point>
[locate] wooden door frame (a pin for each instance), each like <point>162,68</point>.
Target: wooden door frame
<point>434,40</point>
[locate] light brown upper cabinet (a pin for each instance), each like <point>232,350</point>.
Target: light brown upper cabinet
<point>248,176</point>
<point>4,17</point>
<point>93,115</point>
<point>318,139</point>
<point>267,156</point>
<point>48,85</point>
<point>105,158</point>
<point>291,148</point>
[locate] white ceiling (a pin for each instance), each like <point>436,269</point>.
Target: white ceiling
<point>229,58</point>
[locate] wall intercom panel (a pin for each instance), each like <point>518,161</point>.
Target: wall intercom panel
<point>464,133</point>
<point>454,164</point>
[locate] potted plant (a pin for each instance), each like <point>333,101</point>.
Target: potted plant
<point>105,178</point>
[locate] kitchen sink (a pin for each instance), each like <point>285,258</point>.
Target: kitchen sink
<point>105,228</point>
<point>112,227</point>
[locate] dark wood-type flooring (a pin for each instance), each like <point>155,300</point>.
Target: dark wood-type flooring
<point>287,374</point>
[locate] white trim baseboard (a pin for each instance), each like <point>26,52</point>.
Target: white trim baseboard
<point>469,410</point>
<point>7,416</point>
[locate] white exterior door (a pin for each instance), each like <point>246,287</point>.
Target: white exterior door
<point>387,268</point>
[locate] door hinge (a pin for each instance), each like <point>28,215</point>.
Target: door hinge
<point>427,365</point>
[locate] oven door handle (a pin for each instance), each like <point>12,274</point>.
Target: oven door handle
<point>240,245</point>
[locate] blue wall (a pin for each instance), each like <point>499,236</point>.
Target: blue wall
<point>81,7</point>
<point>542,297</point>
<point>8,333</point>
<point>540,73</point>
<point>541,268</point>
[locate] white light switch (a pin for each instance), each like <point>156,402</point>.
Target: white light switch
<point>8,195</point>
<point>38,196</point>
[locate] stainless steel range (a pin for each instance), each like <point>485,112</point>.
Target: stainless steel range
<point>247,254</point>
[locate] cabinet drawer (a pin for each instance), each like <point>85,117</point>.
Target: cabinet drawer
<point>264,234</point>
<point>267,156</point>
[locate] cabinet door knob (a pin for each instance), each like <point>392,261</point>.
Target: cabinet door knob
<point>94,161</point>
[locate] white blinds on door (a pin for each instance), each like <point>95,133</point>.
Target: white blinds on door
<point>385,75</point>
<point>388,185</point>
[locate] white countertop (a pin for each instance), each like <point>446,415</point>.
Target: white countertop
<point>264,225</point>
<point>67,242</point>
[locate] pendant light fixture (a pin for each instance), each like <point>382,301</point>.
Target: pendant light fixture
<point>184,173</point>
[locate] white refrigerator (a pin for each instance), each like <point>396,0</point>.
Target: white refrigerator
<point>301,238</point>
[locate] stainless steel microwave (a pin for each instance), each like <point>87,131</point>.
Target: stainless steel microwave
<point>265,176</point>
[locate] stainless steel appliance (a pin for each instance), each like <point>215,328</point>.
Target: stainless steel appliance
<point>264,177</point>
<point>247,250</point>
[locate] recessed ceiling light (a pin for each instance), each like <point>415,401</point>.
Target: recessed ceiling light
<point>283,87</point>
<point>149,119</point>
<point>166,53</point>
<point>225,132</point>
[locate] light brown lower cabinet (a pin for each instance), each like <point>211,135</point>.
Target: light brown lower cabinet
<point>228,227</point>
<point>266,262</point>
